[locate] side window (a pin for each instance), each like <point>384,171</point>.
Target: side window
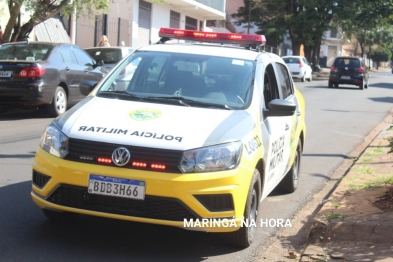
<point>83,57</point>
<point>284,81</point>
<point>67,55</point>
<point>270,89</point>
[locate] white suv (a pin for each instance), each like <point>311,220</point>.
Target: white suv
<point>197,137</point>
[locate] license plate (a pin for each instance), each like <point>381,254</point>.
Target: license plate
<point>118,187</point>
<point>5,73</point>
<point>345,77</point>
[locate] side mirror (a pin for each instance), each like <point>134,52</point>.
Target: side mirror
<point>85,87</point>
<point>279,107</point>
<point>100,63</point>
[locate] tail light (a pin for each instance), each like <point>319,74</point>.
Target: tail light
<point>32,72</point>
<point>361,70</point>
<point>332,68</point>
<point>300,63</point>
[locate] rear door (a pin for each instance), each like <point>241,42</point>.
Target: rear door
<point>74,74</point>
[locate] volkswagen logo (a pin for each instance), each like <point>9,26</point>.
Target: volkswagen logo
<point>121,156</point>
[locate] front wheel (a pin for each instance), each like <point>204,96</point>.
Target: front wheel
<point>291,180</point>
<point>244,236</point>
<point>59,102</point>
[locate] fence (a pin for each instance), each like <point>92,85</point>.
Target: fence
<point>115,28</point>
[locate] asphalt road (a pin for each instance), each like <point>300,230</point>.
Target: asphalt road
<point>337,121</point>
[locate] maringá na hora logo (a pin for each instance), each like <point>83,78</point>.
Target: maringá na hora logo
<point>145,114</point>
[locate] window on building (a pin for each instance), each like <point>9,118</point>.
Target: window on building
<point>174,20</point>
<point>333,33</point>
<point>191,23</point>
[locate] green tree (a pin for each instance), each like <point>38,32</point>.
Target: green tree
<point>41,10</point>
<point>363,18</point>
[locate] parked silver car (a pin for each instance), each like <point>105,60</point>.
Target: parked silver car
<point>109,55</point>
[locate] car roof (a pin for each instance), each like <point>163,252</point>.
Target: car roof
<point>110,47</point>
<point>204,49</point>
<point>348,57</point>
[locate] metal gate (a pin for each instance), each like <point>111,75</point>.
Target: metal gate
<point>115,28</point>
<point>144,23</point>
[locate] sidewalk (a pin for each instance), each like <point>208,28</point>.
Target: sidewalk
<point>351,217</point>
<point>356,221</point>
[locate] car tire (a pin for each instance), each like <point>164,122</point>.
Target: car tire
<point>291,180</point>
<point>303,79</point>
<point>366,85</point>
<point>244,236</point>
<point>330,84</point>
<point>57,215</point>
<point>59,103</point>
<point>361,86</point>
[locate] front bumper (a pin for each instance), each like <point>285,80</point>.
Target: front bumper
<point>346,79</point>
<point>171,199</point>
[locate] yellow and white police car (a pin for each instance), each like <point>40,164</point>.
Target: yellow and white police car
<point>196,138</point>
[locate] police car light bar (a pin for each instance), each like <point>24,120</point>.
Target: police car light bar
<point>212,36</point>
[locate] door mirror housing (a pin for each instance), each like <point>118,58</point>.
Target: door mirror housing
<point>85,87</point>
<point>279,107</point>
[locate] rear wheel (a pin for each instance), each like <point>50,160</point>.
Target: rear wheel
<point>291,180</point>
<point>303,79</point>
<point>59,102</point>
<point>330,84</point>
<point>310,79</point>
<point>361,86</point>
<point>244,236</point>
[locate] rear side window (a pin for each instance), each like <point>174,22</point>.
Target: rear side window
<point>291,60</point>
<point>347,62</point>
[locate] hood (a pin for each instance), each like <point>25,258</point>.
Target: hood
<point>153,125</point>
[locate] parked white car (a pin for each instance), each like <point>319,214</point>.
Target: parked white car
<point>109,55</point>
<point>299,67</point>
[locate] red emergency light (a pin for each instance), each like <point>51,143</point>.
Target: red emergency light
<point>212,36</point>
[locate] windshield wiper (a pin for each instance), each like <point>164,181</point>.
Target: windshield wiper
<point>189,102</point>
<point>114,93</point>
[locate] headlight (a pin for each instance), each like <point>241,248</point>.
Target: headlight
<point>54,142</point>
<point>211,159</point>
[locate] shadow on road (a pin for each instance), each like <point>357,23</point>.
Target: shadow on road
<point>85,238</point>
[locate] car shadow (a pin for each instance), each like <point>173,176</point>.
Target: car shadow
<point>19,114</point>
<point>86,238</point>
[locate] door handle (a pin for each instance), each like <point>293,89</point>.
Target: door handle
<point>87,71</point>
<point>298,113</point>
<point>286,127</point>
<point>67,69</point>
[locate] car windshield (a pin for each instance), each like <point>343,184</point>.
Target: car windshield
<point>24,51</point>
<point>347,62</point>
<point>108,55</point>
<point>183,79</point>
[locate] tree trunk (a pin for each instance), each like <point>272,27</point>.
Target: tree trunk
<point>296,47</point>
<point>14,8</point>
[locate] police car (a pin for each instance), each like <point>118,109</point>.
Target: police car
<point>204,130</point>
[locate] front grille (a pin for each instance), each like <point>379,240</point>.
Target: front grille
<point>216,203</point>
<point>89,152</point>
<point>40,180</point>
<point>162,208</point>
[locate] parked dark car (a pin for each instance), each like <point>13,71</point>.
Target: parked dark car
<point>45,74</point>
<point>348,71</point>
